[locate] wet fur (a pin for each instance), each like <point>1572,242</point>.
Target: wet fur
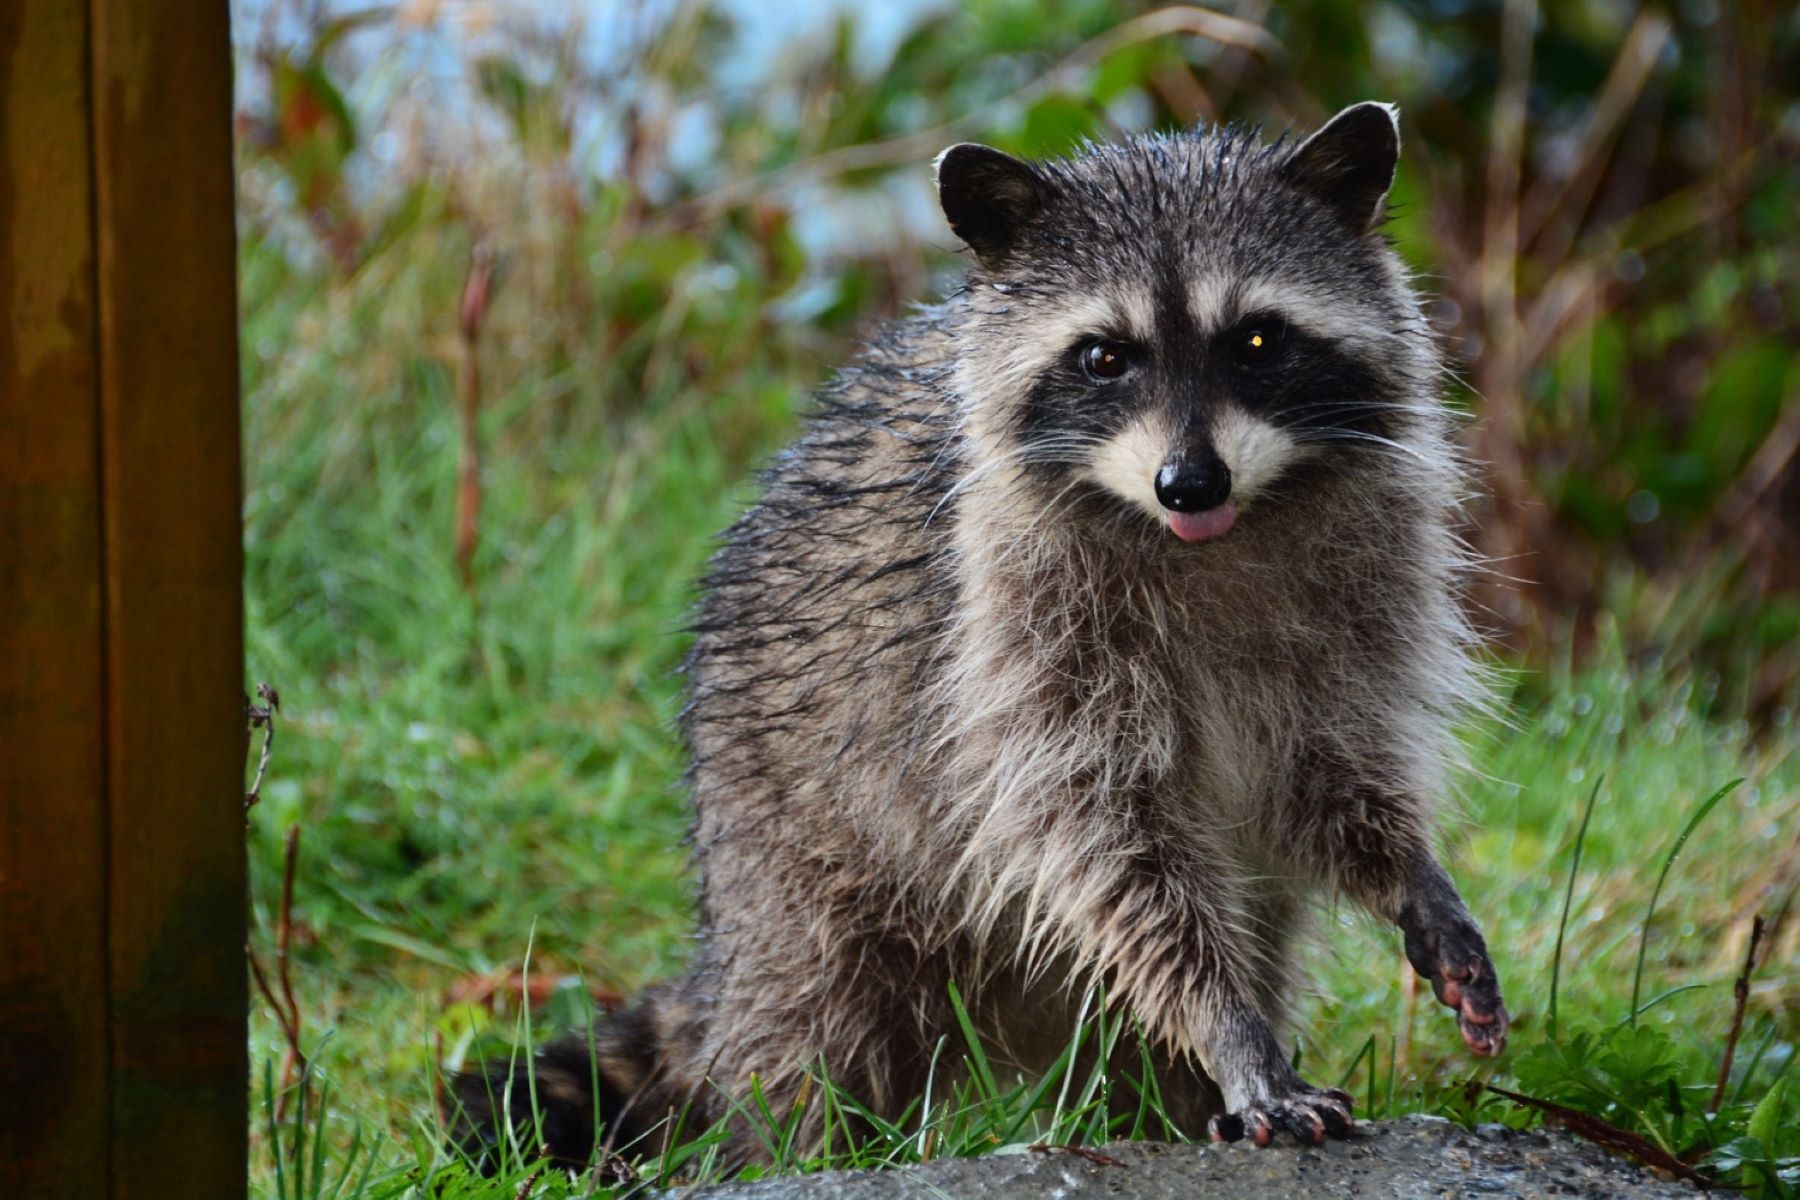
<point>958,712</point>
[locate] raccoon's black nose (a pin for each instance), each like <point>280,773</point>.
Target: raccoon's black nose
<point>1194,488</point>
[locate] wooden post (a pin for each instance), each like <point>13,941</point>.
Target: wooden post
<point>123,1063</point>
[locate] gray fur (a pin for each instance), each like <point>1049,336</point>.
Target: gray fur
<point>963,710</point>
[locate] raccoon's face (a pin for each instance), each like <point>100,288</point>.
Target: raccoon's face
<point>1176,327</point>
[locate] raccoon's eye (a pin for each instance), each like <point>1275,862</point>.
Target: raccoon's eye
<point>1258,343</point>
<point>1106,360</point>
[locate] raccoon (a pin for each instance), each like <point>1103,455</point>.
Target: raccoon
<point>1100,621</point>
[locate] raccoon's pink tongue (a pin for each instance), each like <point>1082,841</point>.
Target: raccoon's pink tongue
<point>1202,526</point>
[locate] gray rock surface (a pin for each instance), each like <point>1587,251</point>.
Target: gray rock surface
<point>1413,1157</point>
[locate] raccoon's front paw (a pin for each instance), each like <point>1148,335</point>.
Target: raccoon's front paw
<point>1448,949</point>
<point>1308,1113</point>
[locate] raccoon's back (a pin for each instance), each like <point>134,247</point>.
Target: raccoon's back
<point>821,613</point>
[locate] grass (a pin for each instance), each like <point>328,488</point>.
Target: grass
<point>481,771</point>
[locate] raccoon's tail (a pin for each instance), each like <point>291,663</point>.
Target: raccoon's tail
<point>574,1097</point>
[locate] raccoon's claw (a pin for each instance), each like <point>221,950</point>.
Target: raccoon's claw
<point>1453,956</point>
<point>1310,1116</point>
<point>1480,1013</point>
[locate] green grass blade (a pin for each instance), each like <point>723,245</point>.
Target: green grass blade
<point>1655,1000</point>
<point>1392,1076</point>
<point>274,1128</point>
<point>925,1110</point>
<point>1367,1050</point>
<point>1562,923</point>
<point>762,1120</point>
<point>1637,977</point>
<point>362,1181</point>
<point>977,1057</point>
<point>299,1151</point>
<point>1056,1076</point>
<point>1762,1048</point>
<point>1096,1095</point>
<point>1074,1049</point>
<point>529,1153</point>
<point>316,1172</point>
<point>350,1157</point>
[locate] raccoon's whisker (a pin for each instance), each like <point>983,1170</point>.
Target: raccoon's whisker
<point>1359,407</point>
<point>1358,435</point>
<point>970,479</point>
<point>1066,458</point>
<point>1031,452</point>
<point>1062,441</point>
<point>1070,457</point>
<point>1361,402</point>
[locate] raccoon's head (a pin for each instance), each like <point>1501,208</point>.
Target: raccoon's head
<point>1182,327</point>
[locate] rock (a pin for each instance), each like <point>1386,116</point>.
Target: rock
<point>1392,1160</point>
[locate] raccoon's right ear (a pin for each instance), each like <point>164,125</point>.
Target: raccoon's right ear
<point>1349,164</point>
<point>988,197</point>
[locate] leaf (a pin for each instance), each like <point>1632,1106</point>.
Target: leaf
<point>1740,404</point>
<point>1123,71</point>
<point>335,30</point>
<point>1639,1054</point>
<point>1055,124</point>
<point>1734,1154</point>
<point>1762,1125</point>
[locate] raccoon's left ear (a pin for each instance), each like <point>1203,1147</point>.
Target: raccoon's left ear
<point>988,197</point>
<point>1349,164</point>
